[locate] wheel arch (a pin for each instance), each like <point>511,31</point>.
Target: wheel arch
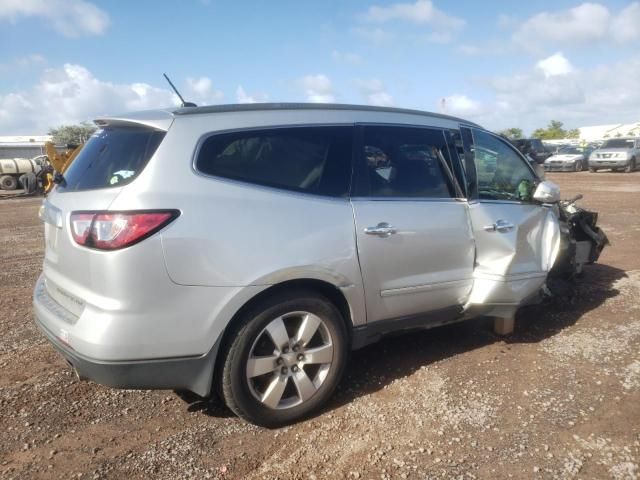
<point>333,293</point>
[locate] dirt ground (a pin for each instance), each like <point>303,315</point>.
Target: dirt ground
<point>560,398</point>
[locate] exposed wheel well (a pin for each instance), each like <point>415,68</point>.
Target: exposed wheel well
<point>331,292</point>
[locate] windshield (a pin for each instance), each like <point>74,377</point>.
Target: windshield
<point>618,143</point>
<point>570,151</point>
<point>111,158</point>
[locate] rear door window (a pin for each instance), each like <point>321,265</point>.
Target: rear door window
<point>111,158</point>
<point>405,162</point>
<point>306,159</point>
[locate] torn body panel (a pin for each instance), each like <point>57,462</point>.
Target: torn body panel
<point>516,246</point>
<point>582,240</point>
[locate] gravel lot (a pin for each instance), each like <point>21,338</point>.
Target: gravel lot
<point>560,398</point>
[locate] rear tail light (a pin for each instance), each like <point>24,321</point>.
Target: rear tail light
<point>115,230</point>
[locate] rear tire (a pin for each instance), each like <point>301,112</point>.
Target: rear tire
<point>631,166</point>
<point>7,182</point>
<point>284,358</point>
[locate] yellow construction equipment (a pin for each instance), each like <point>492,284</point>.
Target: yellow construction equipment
<point>60,161</point>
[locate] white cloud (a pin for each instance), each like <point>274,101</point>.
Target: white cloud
<point>346,57</point>
<point>200,91</point>
<point>461,105</point>
<point>556,64</point>
<point>626,26</point>
<point>586,24</point>
<point>374,35</point>
<point>374,92</point>
<point>490,47</point>
<point>72,94</point>
<point>243,97</point>
<point>71,18</point>
<point>25,62</point>
<point>31,60</point>
<point>420,12</point>
<point>506,21</point>
<point>530,99</point>
<point>318,88</point>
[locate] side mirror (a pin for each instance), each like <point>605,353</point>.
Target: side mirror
<point>547,192</point>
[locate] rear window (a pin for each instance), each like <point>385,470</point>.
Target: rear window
<point>111,158</point>
<point>307,159</point>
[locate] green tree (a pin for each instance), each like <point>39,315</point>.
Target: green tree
<point>512,133</point>
<point>574,133</point>
<point>553,131</point>
<point>72,134</point>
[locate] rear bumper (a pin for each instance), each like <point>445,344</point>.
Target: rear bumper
<point>189,373</point>
<point>134,370</point>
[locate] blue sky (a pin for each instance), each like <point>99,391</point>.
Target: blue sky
<point>502,64</point>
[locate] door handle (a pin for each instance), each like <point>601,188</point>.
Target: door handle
<point>383,230</point>
<point>501,226</point>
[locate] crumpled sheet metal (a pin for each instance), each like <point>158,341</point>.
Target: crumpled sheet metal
<point>516,268</point>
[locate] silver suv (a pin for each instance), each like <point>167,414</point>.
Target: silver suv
<point>616,154</point>
<point>245,250</point>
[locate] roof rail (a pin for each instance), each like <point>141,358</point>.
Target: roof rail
<point>247,107</point>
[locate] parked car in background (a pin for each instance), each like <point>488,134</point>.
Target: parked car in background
<point>534,148</point>
<point>245,249</point>
<point>554,148</point>
<point>617,154</point>
<point>568,159</point>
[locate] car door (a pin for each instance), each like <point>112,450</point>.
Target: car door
<point>516,238</point>
<point>414,239</point>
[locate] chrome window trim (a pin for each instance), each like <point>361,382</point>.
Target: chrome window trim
<point>269,188</point>
<point>409,199</point>
<point>509,202</point>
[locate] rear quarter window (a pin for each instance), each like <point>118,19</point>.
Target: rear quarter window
<point>306,159</point>
<point>111,158</point>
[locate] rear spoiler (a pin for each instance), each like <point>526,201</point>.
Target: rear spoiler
<point>156,119</point>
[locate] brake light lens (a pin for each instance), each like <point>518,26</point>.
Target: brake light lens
<point>116,230</point>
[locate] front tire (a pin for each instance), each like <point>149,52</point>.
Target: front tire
<point>592,170</point>
<point>631,166</point>
<point>284,358</point>
<point>579,166</point>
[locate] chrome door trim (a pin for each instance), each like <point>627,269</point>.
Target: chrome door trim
<point>424,288</point>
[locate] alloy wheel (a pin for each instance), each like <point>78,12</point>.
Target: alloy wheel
<point>289,360</point>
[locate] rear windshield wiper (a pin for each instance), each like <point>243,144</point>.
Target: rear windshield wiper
<point>59,179</point>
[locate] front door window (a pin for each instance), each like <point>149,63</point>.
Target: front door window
<point>502,174</point>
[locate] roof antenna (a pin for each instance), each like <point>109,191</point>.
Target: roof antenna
<point>184,104</point>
